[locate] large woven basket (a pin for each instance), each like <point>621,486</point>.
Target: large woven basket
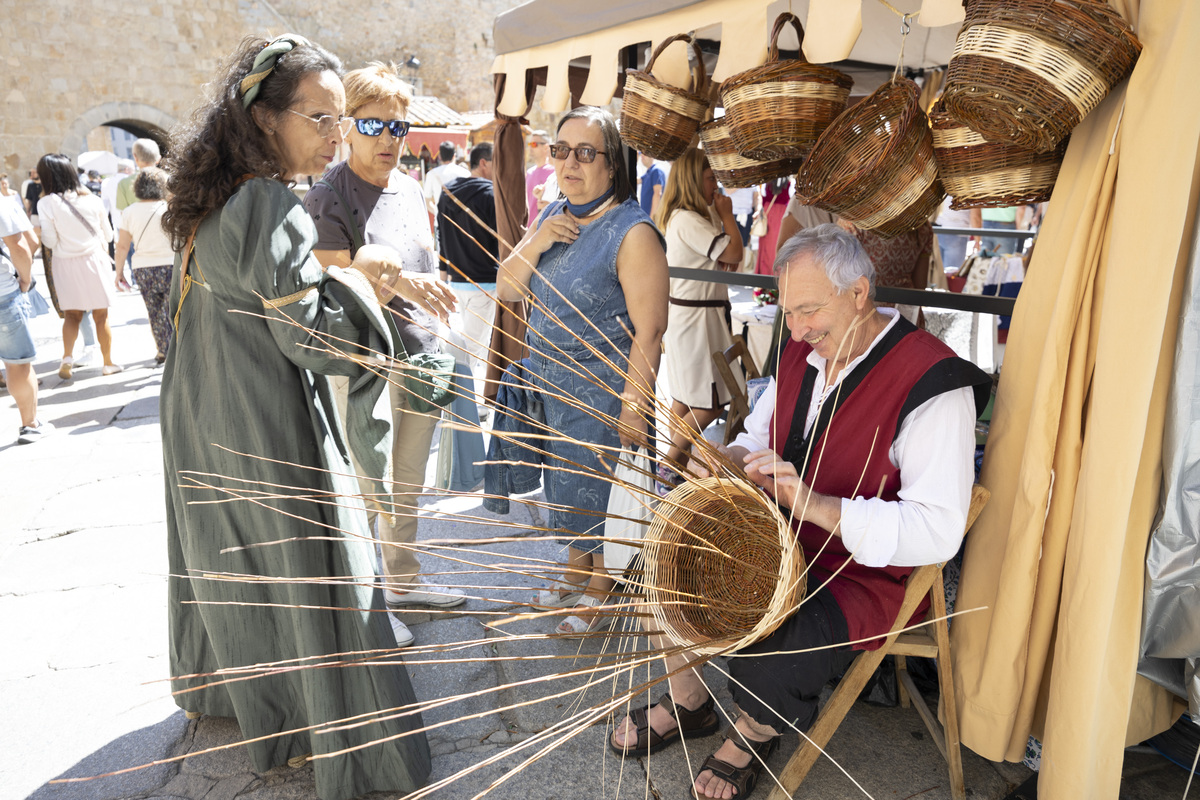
<point>722,565</point>
<point>732,168</point>
<point>874,165</point>
<point>659,119</point>
<point>982,174</point>
<point>1026,72</point>
<point>779,109</point>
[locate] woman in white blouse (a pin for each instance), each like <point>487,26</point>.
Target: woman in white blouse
<point>76,227</point>
<point>702,233</point>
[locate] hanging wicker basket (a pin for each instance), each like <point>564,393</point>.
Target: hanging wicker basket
<point>1026,72</point>
<point>982,174</point>
<point>734,170</point>
<point>779,109</point>
<point>722,565</point>
<point>874,165</point>
<point>658,119</point>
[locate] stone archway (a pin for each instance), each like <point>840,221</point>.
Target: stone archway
<point>137,118</point>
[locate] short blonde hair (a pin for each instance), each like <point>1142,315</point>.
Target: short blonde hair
<point>376,82</point>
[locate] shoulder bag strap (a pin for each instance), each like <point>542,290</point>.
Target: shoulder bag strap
<point>356,236</point>
<point>138,244</point>
<point>78,216</point>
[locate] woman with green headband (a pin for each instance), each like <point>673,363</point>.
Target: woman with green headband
<point>260,327</point>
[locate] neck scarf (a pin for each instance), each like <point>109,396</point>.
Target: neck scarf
<point>585,209</point>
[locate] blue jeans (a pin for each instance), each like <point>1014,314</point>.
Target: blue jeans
<point>16,342</point>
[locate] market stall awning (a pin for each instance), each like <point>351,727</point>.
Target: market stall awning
<point>558,34</point>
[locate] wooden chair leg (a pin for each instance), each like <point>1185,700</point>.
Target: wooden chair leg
<point>901,688</point>
<point>948,705</point>
<point>847,691</point>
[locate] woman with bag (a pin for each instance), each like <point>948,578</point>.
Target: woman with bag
<point>701,233</point>
<point>593,265</point>
<point>141,226</point>
<point>775,200</point>
<point>77,228</point>
<point>18,301</point>
<point>247,403</point>
<point>367,200</point>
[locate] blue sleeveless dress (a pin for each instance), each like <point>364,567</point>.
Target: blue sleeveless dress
<point>577,299</point>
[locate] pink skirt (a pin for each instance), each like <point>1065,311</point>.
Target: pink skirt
<point>83,282</point>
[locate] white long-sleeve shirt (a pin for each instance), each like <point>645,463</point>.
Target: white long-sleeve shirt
<point>935,453</point>
<point>64,233</point>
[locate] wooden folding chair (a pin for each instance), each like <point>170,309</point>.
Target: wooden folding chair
<point>924,642</point>
<point>739,404</point>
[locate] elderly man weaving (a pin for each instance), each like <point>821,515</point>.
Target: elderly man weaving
<point>867,441</point>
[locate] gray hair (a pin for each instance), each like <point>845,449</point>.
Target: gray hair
<point>146,151</point>
<point>840,254</point>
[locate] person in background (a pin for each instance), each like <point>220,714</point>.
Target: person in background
<point>775,197</point>
<point>9,194</point>
<point>953,248</point>
<point>472,256</point>
<point>153,256</point>
<point>745,205</point>
<point>32,192</point>
<point>701,232</point>
<point>365,201</point>
<point>17,348</point>
<point>77,229</point>
<point>652,183</point>
<point>108,190</point>
<point>258,383</point>
<point>996,219</point>
<point>901,262</point>
<point>93,183</point>
<point>597,246</point>
<point>536,175</point>
<point>443,173</point>
<point>145,154</point>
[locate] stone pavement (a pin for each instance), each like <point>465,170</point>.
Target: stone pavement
<point>83,626</point>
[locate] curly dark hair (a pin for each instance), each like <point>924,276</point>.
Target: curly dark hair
<point>150,184</point>
<point>211,152</point>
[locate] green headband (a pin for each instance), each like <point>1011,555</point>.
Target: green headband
<point>264,64</point>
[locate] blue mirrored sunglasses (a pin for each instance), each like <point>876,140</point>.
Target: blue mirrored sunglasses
<point>374,127</point>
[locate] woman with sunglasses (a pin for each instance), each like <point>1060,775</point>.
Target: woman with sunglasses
<point>594,268</point>
<point>247,405</point>
<point>366,200</point>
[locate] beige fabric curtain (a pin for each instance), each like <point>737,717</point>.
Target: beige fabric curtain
<point>1073,458</point>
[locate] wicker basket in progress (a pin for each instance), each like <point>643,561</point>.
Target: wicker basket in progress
<point>733,169</point>
<point>1026,72</point>
<point>779,109</point>
<point>659,119</point>
<point>722,566</point>
<point>874,165</point>
<point>982,174</point>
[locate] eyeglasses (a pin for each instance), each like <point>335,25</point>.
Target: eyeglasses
<point>584,154</point>
<point>327,123</point>
<point>374,127</point>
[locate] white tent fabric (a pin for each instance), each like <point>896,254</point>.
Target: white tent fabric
<point>549,34</point>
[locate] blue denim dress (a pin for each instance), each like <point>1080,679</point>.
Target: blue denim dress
<point>591,309</point>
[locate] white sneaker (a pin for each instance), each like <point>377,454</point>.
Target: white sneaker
<point>28,434</point>
<point>90,357</point>
<point>403,635</point>
<point>438,596</point>
<point>111,369</point>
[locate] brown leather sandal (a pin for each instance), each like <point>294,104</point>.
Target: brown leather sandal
<point>701,722</point>
<point>744,779</point>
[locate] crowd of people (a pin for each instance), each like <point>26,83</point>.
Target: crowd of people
<point>373,268</point>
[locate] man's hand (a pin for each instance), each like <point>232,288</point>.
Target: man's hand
<point>767,469</point>
<point>424,291</point>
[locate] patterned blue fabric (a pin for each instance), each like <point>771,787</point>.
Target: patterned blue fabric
<point>512,468</point>
<point>577,299</point>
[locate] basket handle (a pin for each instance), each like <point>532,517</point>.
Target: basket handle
<point>699,75</point>
<point>780,21</point>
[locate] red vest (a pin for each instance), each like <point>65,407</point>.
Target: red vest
<point>900,373</point>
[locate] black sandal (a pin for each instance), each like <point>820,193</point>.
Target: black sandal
<point>744,779</point>
<point>701,722</point>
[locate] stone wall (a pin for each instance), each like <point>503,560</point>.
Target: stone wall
<point>69,66</point>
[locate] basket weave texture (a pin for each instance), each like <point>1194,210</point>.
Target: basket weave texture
<point>874,165</point>
<point>1026,72</point>
<point>660,119</point>
<point>733,169</point>
<point>779,109</point>
<point>982,174</point>
<point>722,566</point>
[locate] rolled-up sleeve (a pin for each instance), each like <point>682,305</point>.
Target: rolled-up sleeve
<point>935,453</point>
